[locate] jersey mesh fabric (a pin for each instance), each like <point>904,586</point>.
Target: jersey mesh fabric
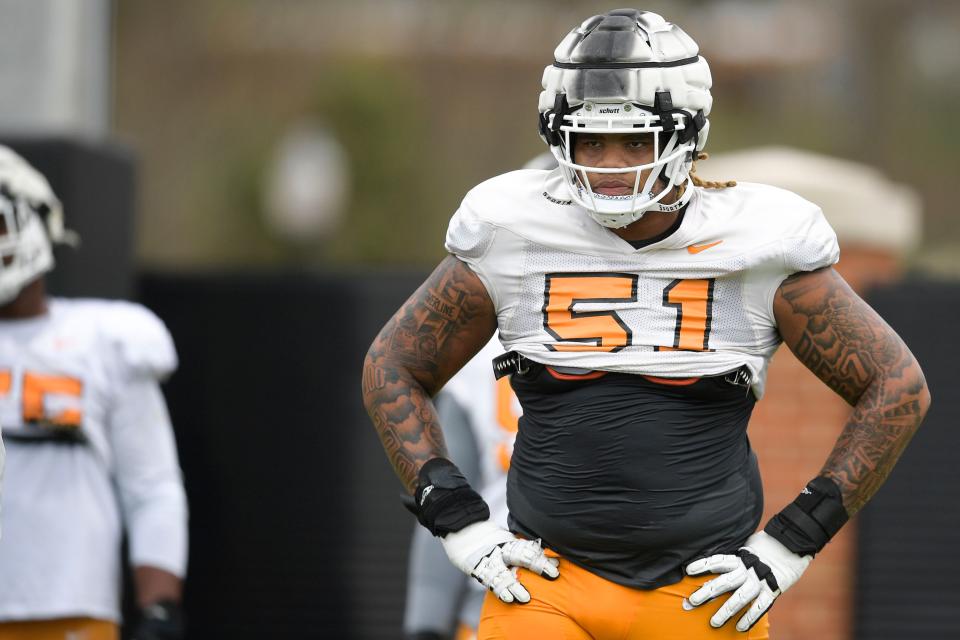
<point>745,239</point>
<point>652,322</point>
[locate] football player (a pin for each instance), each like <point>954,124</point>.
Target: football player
<point>90,448</point>
<point>479,414</point>
<point>639,308</point>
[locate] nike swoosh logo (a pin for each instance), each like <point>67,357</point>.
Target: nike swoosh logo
<point>694,248</point>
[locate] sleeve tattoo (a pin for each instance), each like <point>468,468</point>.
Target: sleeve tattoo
<point>436,331</point>
<point>846,344</point>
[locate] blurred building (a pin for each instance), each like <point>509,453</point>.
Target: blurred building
<point>55,67</point>
<point>879,222</point>
<point>431,97</point>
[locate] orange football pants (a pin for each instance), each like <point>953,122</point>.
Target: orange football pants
<point>580,605</point>
<point>59,629</point>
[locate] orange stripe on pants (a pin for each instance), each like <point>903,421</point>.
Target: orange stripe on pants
<point>580,605</point>
<point>59,629</point>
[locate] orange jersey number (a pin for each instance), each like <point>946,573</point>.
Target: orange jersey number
<point>606,330</point>
<point>597,330</point>
<point>693,300</point>
<point>36,387</point>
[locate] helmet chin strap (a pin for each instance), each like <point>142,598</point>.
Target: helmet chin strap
<point>626,218</point>
<point>659,175</point>
<point>685,194</point>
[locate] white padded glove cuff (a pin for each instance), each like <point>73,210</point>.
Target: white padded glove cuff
<point>467,547</point>
<point>787,566</point>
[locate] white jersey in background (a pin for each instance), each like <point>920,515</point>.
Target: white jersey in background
<point>698,302</point>
<point>90,450</point>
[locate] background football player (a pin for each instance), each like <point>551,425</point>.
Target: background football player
<point>640,308</point>
<point>479,415</point>
<point>90,445</point>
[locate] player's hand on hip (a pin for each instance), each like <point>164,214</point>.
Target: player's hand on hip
<point>450,509</point>
<point>760,571</point>
<point>492,554</point>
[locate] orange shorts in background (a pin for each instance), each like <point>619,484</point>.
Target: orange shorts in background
<point>60,629</point>
<point>580,605</point>
<point>464,632</point>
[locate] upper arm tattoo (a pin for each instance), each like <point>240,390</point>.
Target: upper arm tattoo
<point>436,331</point>
<point>847,344</point>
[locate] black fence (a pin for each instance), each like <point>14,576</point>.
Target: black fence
<point>296,526</point>
<point>909,533</point>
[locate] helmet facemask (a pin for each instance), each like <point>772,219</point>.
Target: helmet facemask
<point>673,152</point>
<point>628,72</point>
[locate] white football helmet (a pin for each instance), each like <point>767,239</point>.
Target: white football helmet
<point>627,71</point>
<point>31,219</point>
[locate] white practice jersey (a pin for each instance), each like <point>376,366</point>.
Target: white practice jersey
<point>493,412</point>
<point>90,449</point>
<point>570,292</point>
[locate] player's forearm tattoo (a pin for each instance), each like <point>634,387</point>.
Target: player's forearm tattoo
<point>433,334</point>
<point>848,346</point>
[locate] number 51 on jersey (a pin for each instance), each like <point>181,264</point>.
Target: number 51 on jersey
<point>605,330</point>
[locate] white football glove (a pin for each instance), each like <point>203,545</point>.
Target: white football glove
<point>492,554</point>
<point>763,570</point>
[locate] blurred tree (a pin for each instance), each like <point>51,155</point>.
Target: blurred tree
<point>375,112</point>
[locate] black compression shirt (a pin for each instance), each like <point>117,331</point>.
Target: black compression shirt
<point>632,477</point>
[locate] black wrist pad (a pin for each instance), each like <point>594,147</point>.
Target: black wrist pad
<point>808,523</point>
<point>444,500</point>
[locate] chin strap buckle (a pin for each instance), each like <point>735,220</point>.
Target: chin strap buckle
<point>693,128</point>
<point>551,130</point>
<point>663,107</point>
